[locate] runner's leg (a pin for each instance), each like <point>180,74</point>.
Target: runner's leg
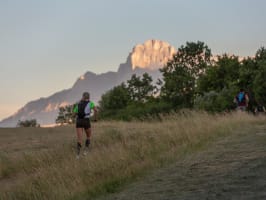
<point>88,134</point>
<point>79,139</point>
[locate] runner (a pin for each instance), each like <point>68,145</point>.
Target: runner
<point>83,111</point>
<point>241,99</point>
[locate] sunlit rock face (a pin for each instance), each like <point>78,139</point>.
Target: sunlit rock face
<point>144,58</point>
<point>153,54</point>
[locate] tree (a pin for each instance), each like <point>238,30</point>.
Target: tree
<point>259,85</point>
<point>66,115</point>
<point>252,77</point>
<point>181,73</point>
<point>114,100</point>
<point>140,88</point>
<point>127,101</point>
<point>228,75</point>
<point>218,86</point>
<point>260,54</point>
<point>28,123</point>
<point>224,73</point>
<point>214,101</point>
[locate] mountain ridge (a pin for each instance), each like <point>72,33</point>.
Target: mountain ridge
<point>148,59</point>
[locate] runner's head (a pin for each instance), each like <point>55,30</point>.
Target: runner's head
<point>86,96</point>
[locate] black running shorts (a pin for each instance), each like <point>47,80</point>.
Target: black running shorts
<point>83,123</point>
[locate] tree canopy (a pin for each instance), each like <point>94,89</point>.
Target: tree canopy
<point>192,79</point>
<point>180,75</point>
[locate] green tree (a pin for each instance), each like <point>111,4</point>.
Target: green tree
<point>213,101</point>
<point>250,67</point>
<point>260,54</point>
<point>251,77</point>
<point>114,100</point>
<point>218,86</point>
<point>66,115</point>
<point>129,101</point>
<point>247,72</point>
<point>140,88</point>
<point>224,73</point>
<point>259,85</point>
<point>181,73</point>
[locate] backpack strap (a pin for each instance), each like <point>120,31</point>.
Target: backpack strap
<point>87,110</point>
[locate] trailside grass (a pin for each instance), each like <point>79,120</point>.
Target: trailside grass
<point>40,163</point>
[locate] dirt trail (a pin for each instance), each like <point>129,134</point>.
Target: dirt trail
<point>232,168</point>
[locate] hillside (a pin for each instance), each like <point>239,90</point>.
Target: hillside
<point>230,168</point>
<point>147,57</point>
<point>184,156</point>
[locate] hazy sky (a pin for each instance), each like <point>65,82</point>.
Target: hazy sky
<point>45,45</point>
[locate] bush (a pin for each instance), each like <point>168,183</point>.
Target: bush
<point>28,123</point>
<point>216,101</point>
<point>138,110</point>
<point>66,115</point>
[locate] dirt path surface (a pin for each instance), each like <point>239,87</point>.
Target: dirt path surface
<point>231,168</point>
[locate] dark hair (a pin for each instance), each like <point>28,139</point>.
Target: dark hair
<point>86,95</point>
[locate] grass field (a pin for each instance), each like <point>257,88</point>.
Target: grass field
<point>40,163</point>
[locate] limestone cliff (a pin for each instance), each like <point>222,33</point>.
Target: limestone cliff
<point>153,54</point>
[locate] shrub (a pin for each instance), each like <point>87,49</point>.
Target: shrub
<point>216,101</point>
<point>28,123</point>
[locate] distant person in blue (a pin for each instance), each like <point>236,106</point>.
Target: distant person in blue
<point>241,99</point>
<point>83,110</point>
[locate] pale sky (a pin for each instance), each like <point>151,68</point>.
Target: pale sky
<point>45,45</point>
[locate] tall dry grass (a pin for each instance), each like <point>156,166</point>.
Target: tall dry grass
<point>40,163</point>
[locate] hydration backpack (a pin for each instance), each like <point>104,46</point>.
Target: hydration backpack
<point>241,97</point>
<point>81,109</point>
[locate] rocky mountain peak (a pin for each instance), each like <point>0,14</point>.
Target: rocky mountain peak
<point>153,54</point>
<point>146,57</point>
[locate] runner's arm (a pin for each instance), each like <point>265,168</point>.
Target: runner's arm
<point>95,113</point>
<point>247,99</point>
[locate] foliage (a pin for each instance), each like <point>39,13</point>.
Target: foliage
<point>260,54</point>
<point>247,73</point>
<point>190,80</point>
<point>114,100</point>
<point>28,123</point>
<point>140,89</point>
<point>213,101</point>
<point>259,86</point>
<point>127,101</point>
<point>223,74</point>
<point>181,73</point>
<point>143,111</point>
